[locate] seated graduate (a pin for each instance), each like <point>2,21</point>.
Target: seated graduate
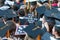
<point>49,24</point>
<point>32,8</point>
<point>56,31</point>
<point>34,31</point>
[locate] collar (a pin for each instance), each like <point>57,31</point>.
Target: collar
<point>4,7</point>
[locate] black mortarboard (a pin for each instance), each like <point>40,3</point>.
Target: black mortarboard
<point>57,22</point>
<point>1,13</point>
<point>3,29</point>
<point>10,14</point>
<point>33,3</point>
<point>7,13</point>
<point>48,13</point>
<point>40,10</point>
<point>54,13</point>
<point>50,20</point>
<point>44,1</point>
<point>33,31</point>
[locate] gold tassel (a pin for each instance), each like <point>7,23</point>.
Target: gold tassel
<point>38,37</point>
<point>8,34</point>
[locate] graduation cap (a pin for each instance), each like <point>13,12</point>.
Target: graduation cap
<point>43,1</point>
<point>54,13</point>
<point>33,31</point>
<point>48,13</point>
<point>57,22</point>
<point>1,13</point>
<point>33,3</point>
<point>7,13</point>
<point>40,10</point>
<point>3,29</point>
<point>50,20</point>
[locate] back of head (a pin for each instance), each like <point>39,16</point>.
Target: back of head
<point>57,29</point>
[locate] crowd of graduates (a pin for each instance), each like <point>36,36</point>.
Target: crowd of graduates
<point>30,20</point>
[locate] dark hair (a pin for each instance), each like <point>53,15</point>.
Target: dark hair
<point>51,25</point>
<point>57,30</point>
<point>21,12</point>
<point>14,7</point>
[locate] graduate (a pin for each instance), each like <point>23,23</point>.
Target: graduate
<point>56,31</point>
<point>18,3</point>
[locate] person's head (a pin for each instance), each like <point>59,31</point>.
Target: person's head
<point>50,24</point>
<point>33,5</point>
<point>14,7</point>
<point>2,2</point>
<point>56,31</point>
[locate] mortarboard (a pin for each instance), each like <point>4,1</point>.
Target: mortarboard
<point>3,29</point>
<point>33,31</point>
<point>48,13</point>
<point>1,13</point>
<point>57,22</point>
<point>7,13</point>
<point>50,20</point>
<point>33,3</point>
<point>54,13</point>
<point>40,10</point>
<point>43,1</point>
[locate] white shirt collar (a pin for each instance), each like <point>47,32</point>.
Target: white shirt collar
<point>4,7</point>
